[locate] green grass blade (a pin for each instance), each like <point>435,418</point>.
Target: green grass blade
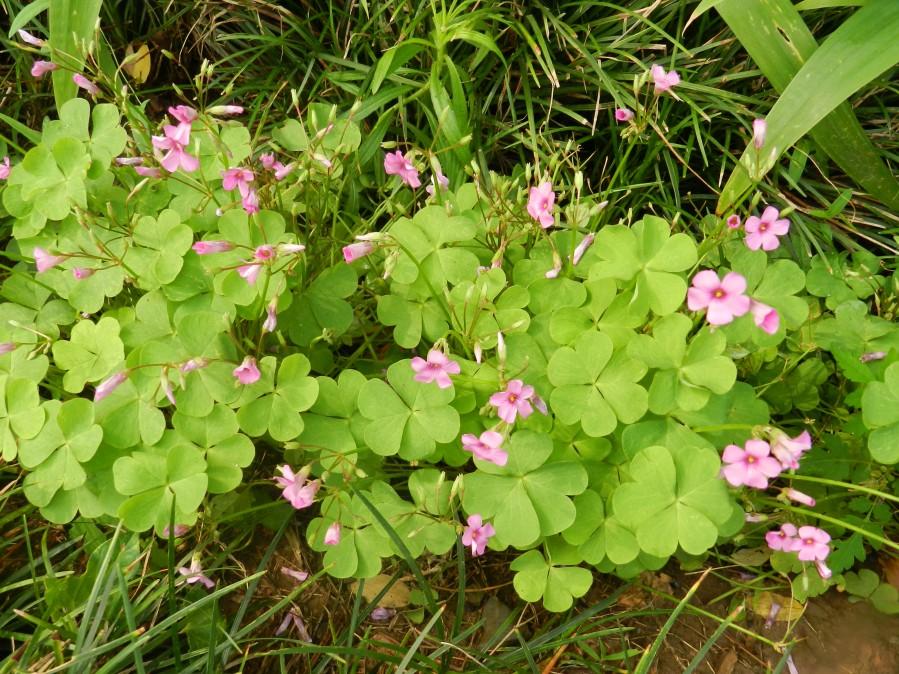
<point>27,13</point>
<point>815,83</point>
<point>712,640</point>
<point>72,24</point>
<point>401,669</point>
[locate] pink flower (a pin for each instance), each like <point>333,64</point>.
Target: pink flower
<point>212,247</point>
<point>239,178</point>
<point>41,68</point>
<point>282,170</point>
<point>81,273</point>
<point>486,448</point>
<point>799,497</point>
<point>225,110</point>
<point>247,372</point>
<point>789,450</point>
<point>623,114</point>
<point>765,317</point>
<point>271,316</point>
<point>267,160</point>
<point>148,171</point>
<point>6,347</point>
<point>759,130</point>
<point>782,539</point>
<point>298,492</point>
<point>763,232</point>
<point>332,535</point>
<point>442,182</point>
<point>436,368</point>
<point>109,385</point>
<point>30,39</point>
<point>250,202</point>
<point>476,535</point>
<point>357,250</point>
<point>724,299</point>
<point>193,364</point>
<point>194,574</point>
<point>734,222</point>
<point>397,165</point>
<point>540,204</point>
<point>812,544</point>
<point>44,261</point>
<point>297,575</point>
<point>582,247</point>
<point>751,466</point>
<point>249,272</point>
<point>183,113</point>
<point>515,400</point>
<point>83,83</point>
<point>173,142</point>
<point>663,80</point>
<point>264,253</point>
<point>5,169</point>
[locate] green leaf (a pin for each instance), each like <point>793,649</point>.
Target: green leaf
<point>321,306</point>
<point>558,586</point>
<point>407,418</point>
<point>90,354</point>
<point>277,413</point>
<point>880,412</point>
<point>423,242</point>
<point>72,25</point>
<point>21,416</point>
<point>333,426</point>
<point>226,450</point>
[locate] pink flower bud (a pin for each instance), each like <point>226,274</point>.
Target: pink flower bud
<point>623,114</point>
<point>734,221</point>
<point>212,247</point>
<point>5,169</point>
<point>759,131</point>
<point>83,83</point>
<point>823,570</point>
<point>358,250</point>
<point>109,385</point>
<point>582,248</point>
<point>222,110</point>
<point>41,68</point>
<point>81,273</point>
<point>193,364</point>
<point>31,39</point>
<point>6,347</point>
<point>332,535</point>
<point>271,318</point>
<point>129,161</point>
<point>44,261</point>
<point>872,356</point>
<point>799,497</point>
<point>148,171</point>
<point>247,372</point>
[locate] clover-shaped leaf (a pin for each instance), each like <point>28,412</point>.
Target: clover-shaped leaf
<point>724,417</point>
<point>90,353</point>
<point>413,314</point>
<point>407,418</point>
<point>333,426</point>
<point>880,412</point>
<point>418,530</point>
<point>21,416</point>
<point>527,498</point>
<point>647,255</point>
<point>277,412</point>
<point>129,416</point>
<point>606,310</point>
<point>676,499</point>
<point>156,478</point>
<point>558,586</point>
<point>423,242</point>
<point>160,246</point>
<point>596,386</point>
<point>687,375</point>
<point>855,331</point>
<point>321,306</point>
<point>226,451</point>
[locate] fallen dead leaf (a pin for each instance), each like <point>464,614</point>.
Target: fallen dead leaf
<point>890,566</point>
<point>396,597</point>
<point>728,662</point>
<point>790,609</point>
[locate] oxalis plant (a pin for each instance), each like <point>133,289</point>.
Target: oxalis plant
<point>587,394</point>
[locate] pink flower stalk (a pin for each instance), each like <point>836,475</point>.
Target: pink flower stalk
<point>823,570</point>
<point>872,356</point>
<point>812,544</point>
<point>249,272</point>
<point>44,261</point>
<point>83,83</point>
<point>723,299</point>
<point>357,250</point>
<point>194,574</point>
<point>540,204</point>
<point>81,273</point>
<point>582,247</point>
<point>109,385</point>
<point>239,178</point>
<point>267,160</point>
<point>765,317</point>
<point>173,142</point>
<point>298,492</point>
<point>623,114</point>
<point>750,465</point>
<point>442,182</point>
<point>782,539</point>
<point>129,161</point>
<point>183,113</point>
<point>193,364</point>
<point>397,165</point>
<point>41,68</point>
<point>486,448</point>
<point>515,400</point>
<point>759,130</point>
<point>148,171</point>
<point>789,450</point>
<point>212,247</point>
<point>5,169</point>
<point>437,368</point>
<point>296,574</point>
<point>247,372</point>
<point>271,316</point>
<point>663,80</point>
<point>250,202</point>
<point>477,534</point>
<point>28,38</point>
<point>223,110</point>
<point>763,232</point>
<point>799,497</point>
<point>734,222</point>
<point>332,535</point>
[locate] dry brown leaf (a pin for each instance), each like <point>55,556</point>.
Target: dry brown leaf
<point>396,597</point>
<point>890,566</point>
<point>751,556</point>
<point>790,609</point>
